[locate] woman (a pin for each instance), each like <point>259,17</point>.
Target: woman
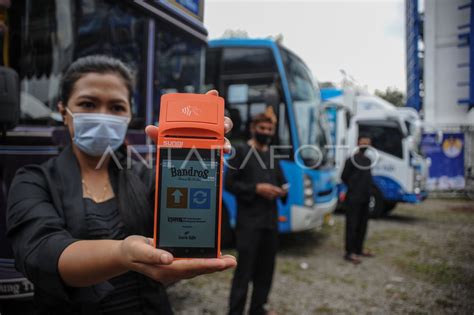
<point>76,222</point>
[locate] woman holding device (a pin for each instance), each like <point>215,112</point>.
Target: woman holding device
<point>76,222</point>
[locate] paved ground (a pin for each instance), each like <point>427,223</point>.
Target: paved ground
<point>424,265</point>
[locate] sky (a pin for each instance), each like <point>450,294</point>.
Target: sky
<point>364,38</point>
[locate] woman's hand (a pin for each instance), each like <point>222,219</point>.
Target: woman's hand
<point>152,131</point>
<point>138,254</point>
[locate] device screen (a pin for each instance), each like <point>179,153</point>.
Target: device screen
<point>188,207</point>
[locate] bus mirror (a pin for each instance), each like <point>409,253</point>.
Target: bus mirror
<point>271,98</point>
<point>348,119</point>
<point>9,98</point>
<point>238,94</point>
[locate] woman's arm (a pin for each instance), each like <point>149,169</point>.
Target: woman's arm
<point>85,263</point>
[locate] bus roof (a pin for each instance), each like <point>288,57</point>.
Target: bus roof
<point>327,93</point>
<point>251,42</point>
<point>186,15</point>
<point>242,42</point>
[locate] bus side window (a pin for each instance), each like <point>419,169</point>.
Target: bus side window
<point>48,35</point>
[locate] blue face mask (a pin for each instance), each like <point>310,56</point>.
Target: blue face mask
<point>94,133</point>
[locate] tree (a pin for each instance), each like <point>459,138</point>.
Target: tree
<point>235,34</point>
<point>277,38</point>
<point>392,95</point>
<point>327,84</point>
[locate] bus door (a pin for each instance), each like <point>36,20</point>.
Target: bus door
<point>248,79</point>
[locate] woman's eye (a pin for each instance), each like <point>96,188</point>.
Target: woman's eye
<point>87,105</point>
<point>118,108</point>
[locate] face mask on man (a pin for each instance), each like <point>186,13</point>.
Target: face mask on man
<point>94,133</point>
<point>263,138</point>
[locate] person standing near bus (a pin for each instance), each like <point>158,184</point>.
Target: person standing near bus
<point>80,223</point>
<point>257,183</point>
<point>358,178</point>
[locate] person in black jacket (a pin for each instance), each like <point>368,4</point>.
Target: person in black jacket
<point>80,223</point>
<point>358,178</point>
<point>257,183</point>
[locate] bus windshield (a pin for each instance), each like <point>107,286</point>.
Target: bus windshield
<point>306,100</point>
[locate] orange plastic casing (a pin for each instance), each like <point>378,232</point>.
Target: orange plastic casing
<point>191,121</point>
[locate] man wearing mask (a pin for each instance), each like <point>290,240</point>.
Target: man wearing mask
<point>358,178</point>
<point>257,183</point>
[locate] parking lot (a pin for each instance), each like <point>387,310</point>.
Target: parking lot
<point>424,265</point>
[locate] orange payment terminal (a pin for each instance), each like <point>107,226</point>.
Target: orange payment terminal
<point>189,175</point>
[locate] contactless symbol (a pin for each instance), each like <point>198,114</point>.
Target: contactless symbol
<point>200,198</point>
<point>176,197</point>
<point>191,110</point>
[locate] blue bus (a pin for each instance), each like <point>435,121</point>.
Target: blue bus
<point>252,74</point>
<point>164,43</point>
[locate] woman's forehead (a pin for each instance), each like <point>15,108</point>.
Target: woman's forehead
<point>101,84</point>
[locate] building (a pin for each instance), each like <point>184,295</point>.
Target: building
<point>440,85</point>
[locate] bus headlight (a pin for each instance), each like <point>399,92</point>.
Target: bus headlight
<point>308,191</point>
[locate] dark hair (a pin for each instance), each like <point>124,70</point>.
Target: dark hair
<point>363,135</point>
<point>131,192</point>
<point>94,64</point>
<point>259,118</point>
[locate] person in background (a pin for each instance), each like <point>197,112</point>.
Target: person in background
<point>80,223</point>
<point>358,178</point>
<point>257,183</point>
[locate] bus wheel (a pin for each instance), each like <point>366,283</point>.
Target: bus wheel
<point>227,233</point>
<point>376,204</point>
<point>389,206</point>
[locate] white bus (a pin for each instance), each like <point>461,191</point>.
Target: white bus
<point>400,171</point>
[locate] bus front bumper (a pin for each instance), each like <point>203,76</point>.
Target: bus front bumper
<point>307,218</point>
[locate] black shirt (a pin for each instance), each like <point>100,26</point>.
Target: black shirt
<point>47,212</point>
<point>104,222</point>
<point>248,168</point>
<point>358,178</point>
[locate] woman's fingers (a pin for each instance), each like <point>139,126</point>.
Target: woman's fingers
<point>190,268</point>
<point>152,132</point>
<point>227,146</point>
<point>228,124</point>
<point>212,92</point>
<point>138,249</point>
<point>186,268</point>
